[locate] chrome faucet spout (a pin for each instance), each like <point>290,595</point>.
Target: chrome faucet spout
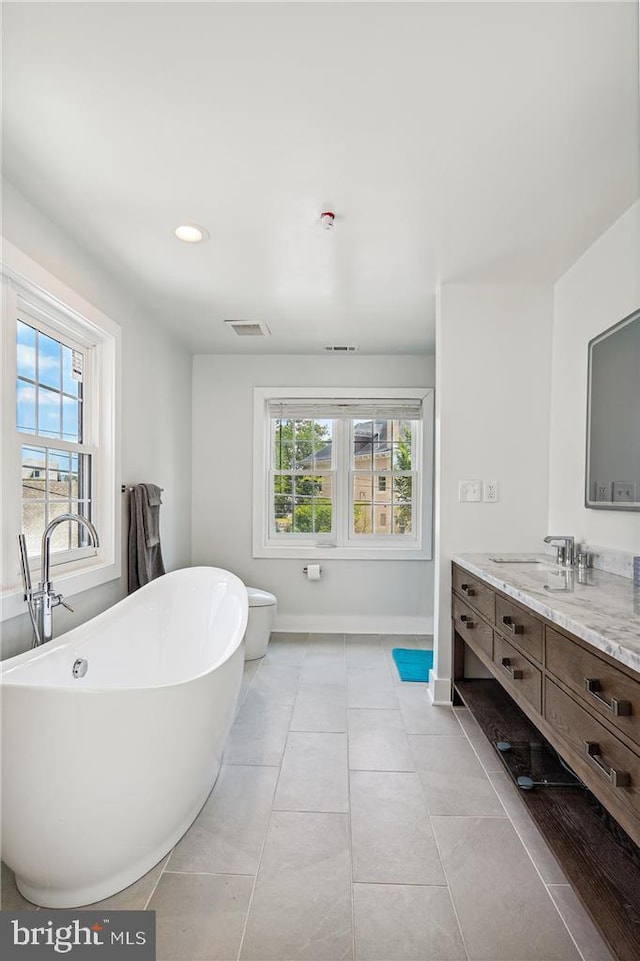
<point>46,540</point>
<point>565,547</point>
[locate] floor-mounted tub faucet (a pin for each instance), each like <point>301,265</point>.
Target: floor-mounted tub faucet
<point>42,601</point>
<point>565,548</point>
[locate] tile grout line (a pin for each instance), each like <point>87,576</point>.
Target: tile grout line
<point>155,886</point>
<point>444,871</point>
<point>262,847</point>
<point>349,825</point>
<point>253,890</point>
<point>266,833</point>
<point>248,688</point>
<point>446,877</point>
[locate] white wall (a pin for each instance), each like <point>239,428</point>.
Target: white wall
<point>156,401</point>
<point>373,595</point>
<point>493,354</point>
<point>601,288</point>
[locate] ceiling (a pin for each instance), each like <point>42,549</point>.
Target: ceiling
<point>455,142</point>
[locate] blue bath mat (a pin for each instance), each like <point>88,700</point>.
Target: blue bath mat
<point>412,665</point>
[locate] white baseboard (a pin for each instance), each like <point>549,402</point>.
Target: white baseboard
<point>439,689</point>
<point>351,624</point>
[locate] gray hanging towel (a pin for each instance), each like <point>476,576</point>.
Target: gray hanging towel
<point>145,553</point>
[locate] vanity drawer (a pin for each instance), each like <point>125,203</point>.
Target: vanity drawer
<point>523,627</point>
<point>610,692</point>
<point>517,673</point>
<point>475,591</point>
<point>607,765</point>
<point>471,628</point>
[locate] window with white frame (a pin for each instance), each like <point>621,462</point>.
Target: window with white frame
<point>346,476</point>
<point>59,431</point>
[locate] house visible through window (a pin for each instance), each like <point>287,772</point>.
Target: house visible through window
<point>346,475</point>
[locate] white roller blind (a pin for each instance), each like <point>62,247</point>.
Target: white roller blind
<point>334,408</point>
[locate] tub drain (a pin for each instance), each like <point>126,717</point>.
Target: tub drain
<point>80,667</point>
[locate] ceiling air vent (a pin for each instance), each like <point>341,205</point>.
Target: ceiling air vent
<point>337,349</point>
<point>248,328</point>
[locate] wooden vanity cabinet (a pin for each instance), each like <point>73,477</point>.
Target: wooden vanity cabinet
<point>586,704</point>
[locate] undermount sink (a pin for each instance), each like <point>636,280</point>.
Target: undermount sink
<point>514,559</point>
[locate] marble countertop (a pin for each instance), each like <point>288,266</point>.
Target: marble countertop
<point>602,609</point>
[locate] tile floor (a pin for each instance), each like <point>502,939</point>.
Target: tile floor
<point>353,820</point>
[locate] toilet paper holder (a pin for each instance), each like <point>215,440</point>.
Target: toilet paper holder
<point>305,570</point>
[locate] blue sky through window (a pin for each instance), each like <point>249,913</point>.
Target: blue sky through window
<point>49,362</point>
<point>48,397</point>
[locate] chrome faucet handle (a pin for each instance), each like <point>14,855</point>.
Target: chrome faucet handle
<point>62,603</point>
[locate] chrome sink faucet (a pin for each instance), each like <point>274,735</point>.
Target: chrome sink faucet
<point>41,602</point>
<point>565,549</point>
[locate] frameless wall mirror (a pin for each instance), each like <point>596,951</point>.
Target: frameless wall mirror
<point>613,418</point>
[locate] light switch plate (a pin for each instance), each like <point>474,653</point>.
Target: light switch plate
<point>603,491</point>
<point>470,490</point>
<point>624,492</point>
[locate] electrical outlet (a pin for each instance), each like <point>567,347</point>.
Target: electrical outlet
<point>470,490</point>
<point>624,492</point>
<point>490,492</point>
<point>603,491</point>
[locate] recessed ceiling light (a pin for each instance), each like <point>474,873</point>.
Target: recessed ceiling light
<point>191,233</point>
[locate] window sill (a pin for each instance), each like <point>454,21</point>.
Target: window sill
<point>68,583</point>
<point>324,552</point>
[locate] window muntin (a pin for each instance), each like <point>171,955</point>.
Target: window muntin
<point>54,482</point>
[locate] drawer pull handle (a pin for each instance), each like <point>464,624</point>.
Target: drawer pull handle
<point>510,624</point>
<point>617,708</point>
<point>615,778</point>
<point>513,672</point>
<point>466,620</point>
<point>467,590</point>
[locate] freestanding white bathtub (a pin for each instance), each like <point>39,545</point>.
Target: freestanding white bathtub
<point>102,774</point>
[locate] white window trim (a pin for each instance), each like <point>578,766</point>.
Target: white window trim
<point>318,546</point>
<point>27,285</point>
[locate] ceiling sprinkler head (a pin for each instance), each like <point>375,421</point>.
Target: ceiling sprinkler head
<point>327,218</point>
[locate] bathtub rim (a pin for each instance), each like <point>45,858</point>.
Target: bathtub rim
<point>67,640</point>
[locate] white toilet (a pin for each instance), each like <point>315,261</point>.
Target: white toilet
<point>262,610</point>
